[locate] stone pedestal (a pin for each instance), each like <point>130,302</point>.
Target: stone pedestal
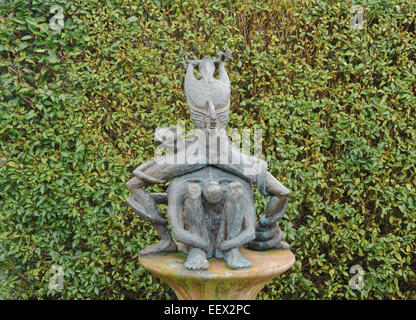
<point>219,282</point>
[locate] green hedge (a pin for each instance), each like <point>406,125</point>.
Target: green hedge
<point>78,109</point>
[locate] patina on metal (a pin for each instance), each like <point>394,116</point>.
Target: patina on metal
<point>210,198</point>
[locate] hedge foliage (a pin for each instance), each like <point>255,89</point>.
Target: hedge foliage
<point>78,109</point>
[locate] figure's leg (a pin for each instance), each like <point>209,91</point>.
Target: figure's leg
<point>165,245</point>
<point>234,211</point>
<point>154,172</point>
<point>176,193</point>
<point>143,204</point>
<point>268,233</point>
<point>194,223</point>
<point>274,187</point>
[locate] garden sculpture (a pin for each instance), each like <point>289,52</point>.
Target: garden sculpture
<point>209,200</point>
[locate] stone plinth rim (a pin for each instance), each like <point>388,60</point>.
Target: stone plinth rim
<point>275,262</point>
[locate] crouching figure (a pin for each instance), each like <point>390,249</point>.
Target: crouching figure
<point>212,214</point>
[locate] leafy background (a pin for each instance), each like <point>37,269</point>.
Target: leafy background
<point>78,109</point>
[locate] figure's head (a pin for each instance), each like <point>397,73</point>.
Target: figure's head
<point>235,191</point>
<point>212,192</point>
<point>192,191</point>
<point>207,68</point>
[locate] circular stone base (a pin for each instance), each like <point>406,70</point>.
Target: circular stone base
<point>219,282</point>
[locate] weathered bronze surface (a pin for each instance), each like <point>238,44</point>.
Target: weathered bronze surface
<point>210,197</point>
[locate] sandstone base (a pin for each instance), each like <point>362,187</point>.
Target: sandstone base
<point>219,282</point>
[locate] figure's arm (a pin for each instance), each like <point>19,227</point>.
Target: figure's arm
<point>243,238</point>
<point>190,76</point>
<point>190,65</point>
<point>222,72</point>
<point>268,233</point>
<point>275,188</point>
<point>175,194</point>
<point>275,209</point>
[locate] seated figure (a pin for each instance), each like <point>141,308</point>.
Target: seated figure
<point>210,201</point>
<point>212,214</point>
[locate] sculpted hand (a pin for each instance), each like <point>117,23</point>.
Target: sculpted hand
<point>223,246</point>
<point>221,56</point>
<point>186,62</point>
